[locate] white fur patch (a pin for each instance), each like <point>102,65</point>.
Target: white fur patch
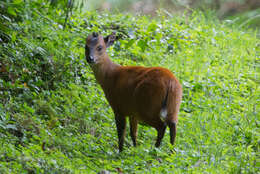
<point>163,114</point>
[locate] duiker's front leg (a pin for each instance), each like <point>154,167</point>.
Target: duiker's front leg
<point>133,128</point>
<point>121,126</point>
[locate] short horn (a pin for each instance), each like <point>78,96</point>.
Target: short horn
<point>95,34</point>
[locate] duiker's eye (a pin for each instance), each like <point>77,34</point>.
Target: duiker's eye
<point>99,48</point>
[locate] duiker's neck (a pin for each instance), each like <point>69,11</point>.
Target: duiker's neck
<point>104,69</point>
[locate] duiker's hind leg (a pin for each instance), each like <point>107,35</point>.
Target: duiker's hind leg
<point>160,133</point>
<point>172,125</point>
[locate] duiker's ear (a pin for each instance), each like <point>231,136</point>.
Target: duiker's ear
<point>110,39</point>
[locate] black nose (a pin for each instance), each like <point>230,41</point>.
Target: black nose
<point>90,59</point>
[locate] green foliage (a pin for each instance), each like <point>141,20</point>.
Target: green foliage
<point>54,117</point>
<point>249,18</point>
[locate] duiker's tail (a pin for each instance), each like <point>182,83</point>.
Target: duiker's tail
<point>174,96</point>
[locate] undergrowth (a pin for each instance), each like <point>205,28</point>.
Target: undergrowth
<point>54,117</point>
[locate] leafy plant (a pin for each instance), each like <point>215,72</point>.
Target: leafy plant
<point>54,117</point>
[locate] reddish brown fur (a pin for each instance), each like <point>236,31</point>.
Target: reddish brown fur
<point>135,91</point>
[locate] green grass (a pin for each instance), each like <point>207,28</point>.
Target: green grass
<point>55,119</point>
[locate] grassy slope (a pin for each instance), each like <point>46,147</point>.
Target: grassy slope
<point>70,128</point>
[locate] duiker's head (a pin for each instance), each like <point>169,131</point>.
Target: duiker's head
<point>95,49</point>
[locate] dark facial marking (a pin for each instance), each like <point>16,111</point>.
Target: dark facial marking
<point>86,50</point>
<point>94,41</point>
